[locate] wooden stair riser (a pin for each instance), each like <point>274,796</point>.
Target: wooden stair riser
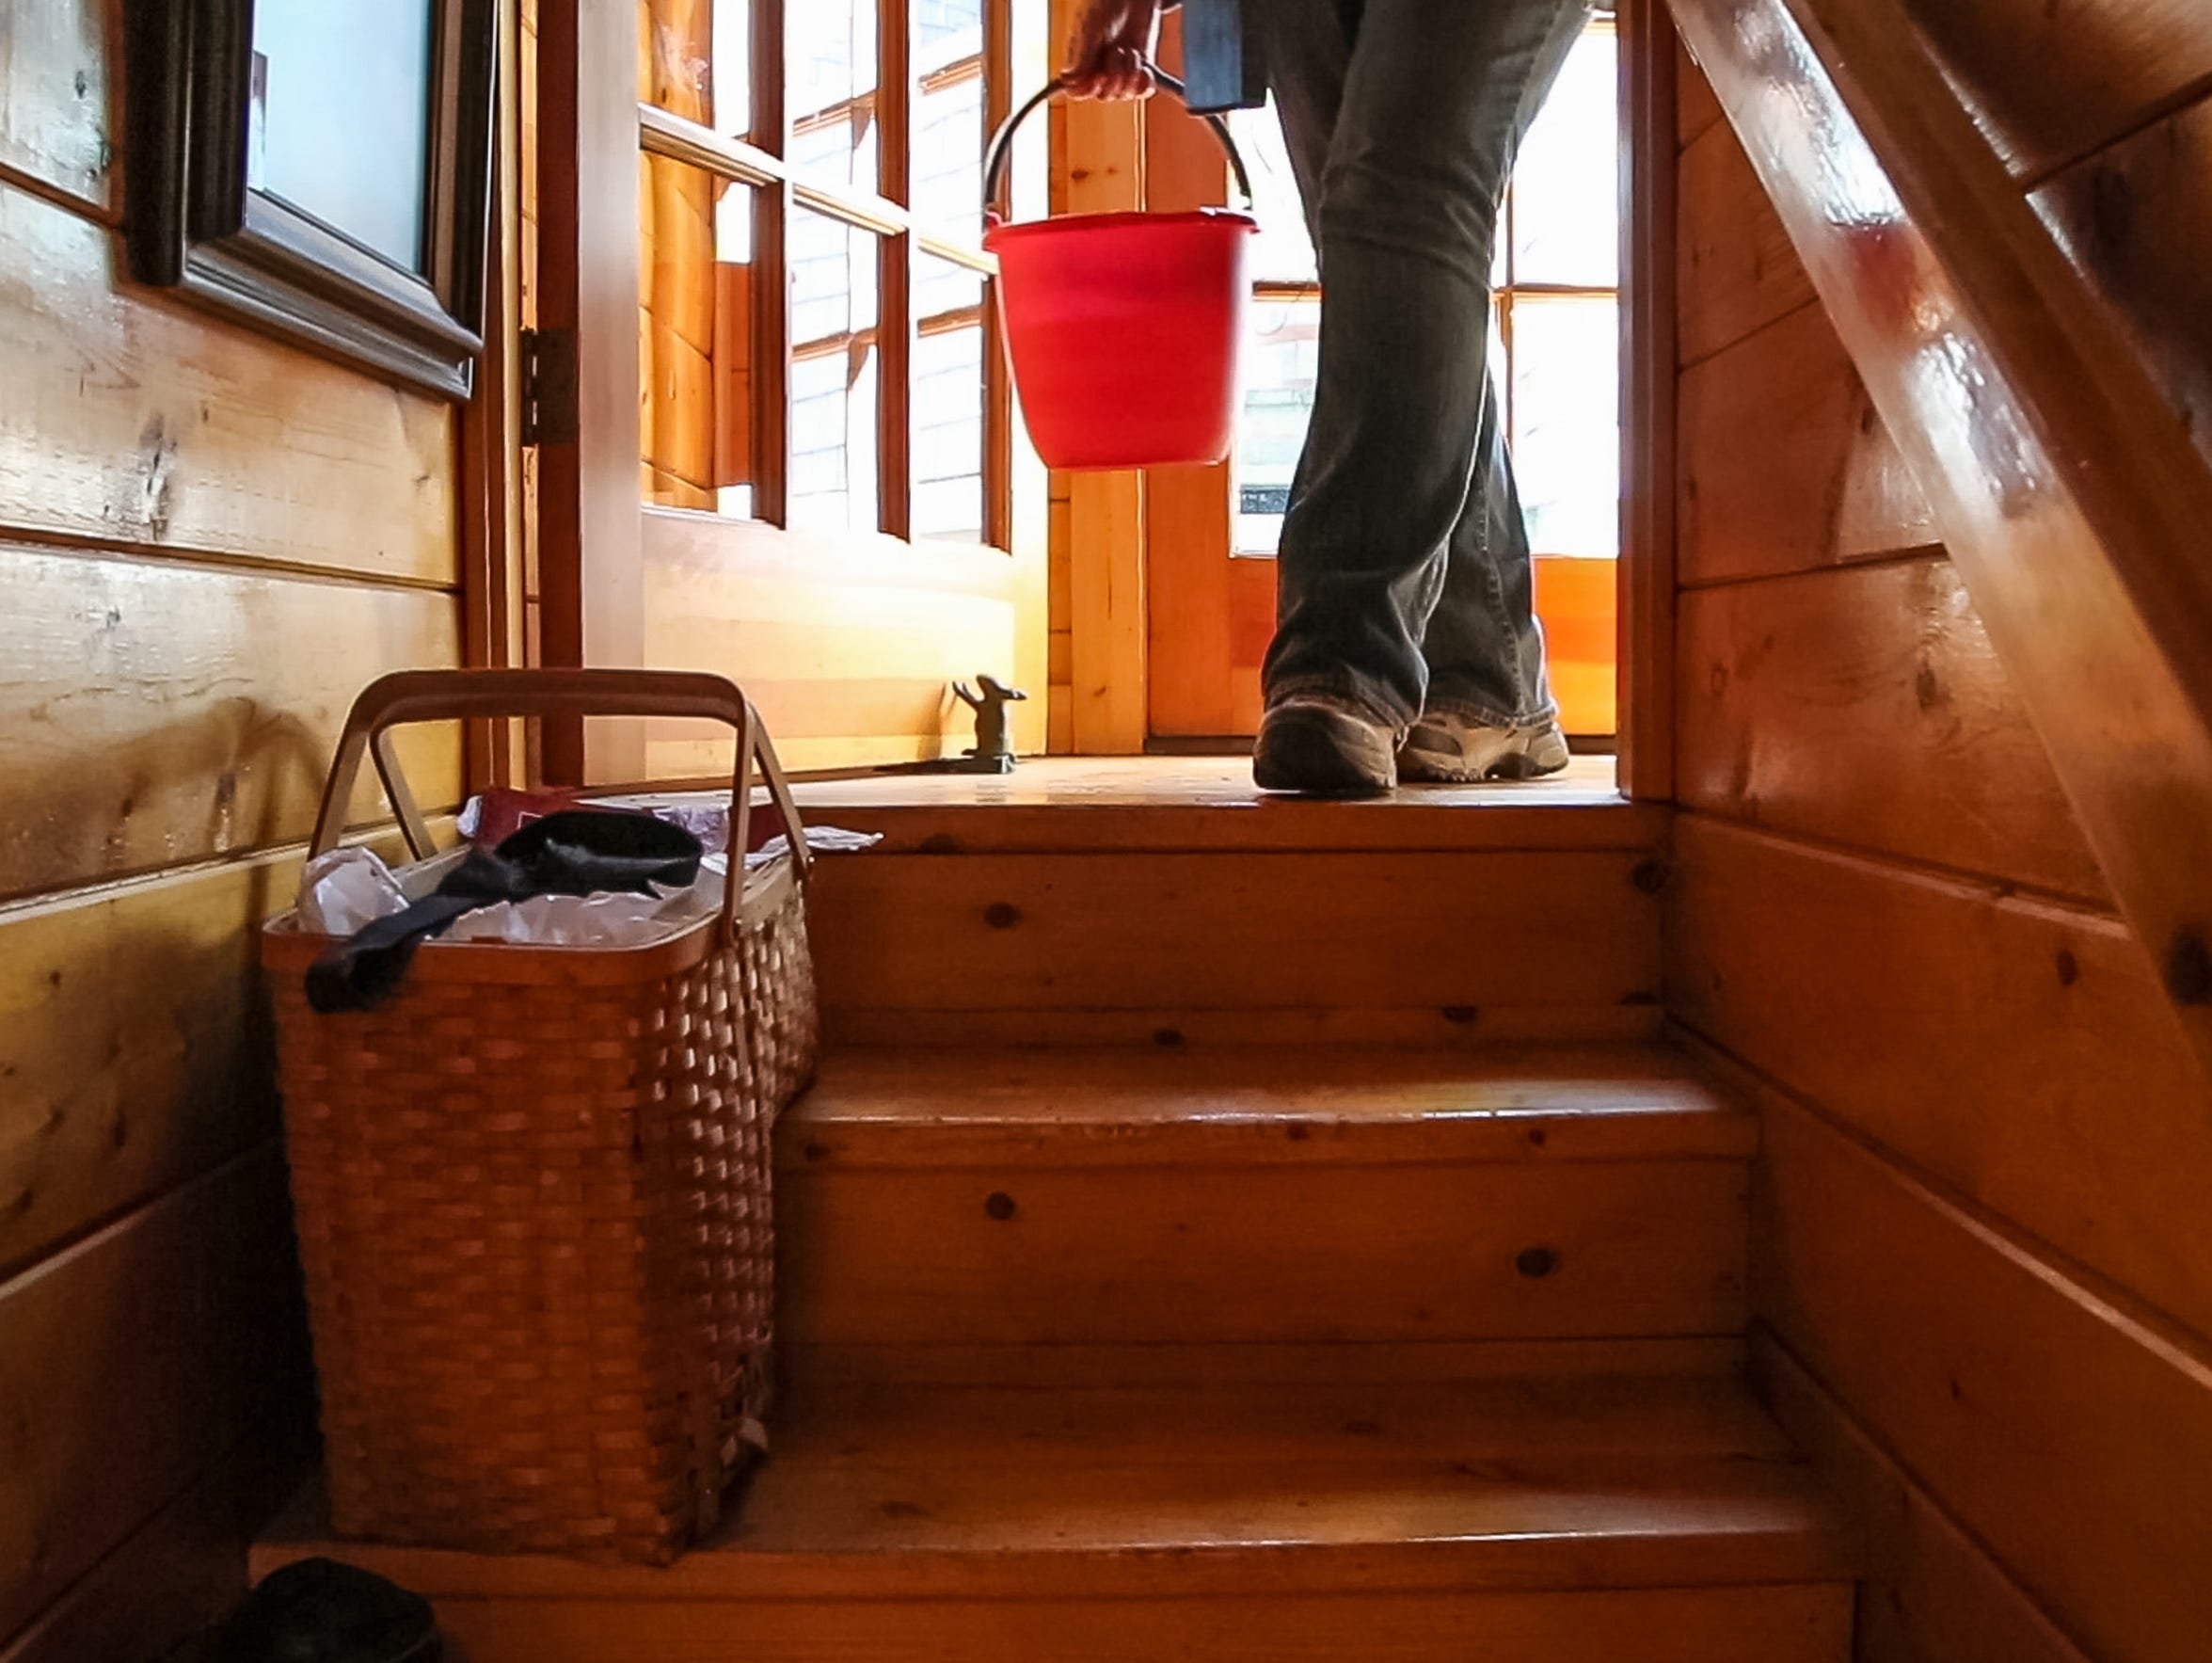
<point>1807,1623</point>
<point>1017,1254</point>
<point>1424,948</point>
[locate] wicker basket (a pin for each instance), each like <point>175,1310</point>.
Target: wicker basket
<point>532,1188</point>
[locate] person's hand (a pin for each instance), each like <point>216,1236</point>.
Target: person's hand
<point>1111,53</point>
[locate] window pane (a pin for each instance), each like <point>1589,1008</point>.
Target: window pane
<point>949,137</point>
<point>340,114</point>
<point>1565,189</point>
<point>940,286</point>
<point>830,91</point>
<point>833,391</point>
<point>1565,422</point>
<point>697,60</point>
<point>947,431</point>
<point>1282,252</point>
<point>1282,355</point>
<point>695,338</point>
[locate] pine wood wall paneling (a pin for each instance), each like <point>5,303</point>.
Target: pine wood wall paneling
<point>172,1576</point>
<point>1735,271</point>
<point>2062,490</point>
<point>207,540</point>
<point>1060,611</point>
<point>134,1048</point>
<point>1823,484</point>
<point>1695,107</point>
<point>2137,218</point>
<point>1932,1593</point>
<point>1867,707</point>
<point>136,1361</point>
<point>1108,695</point>
<point>2018,1049</point>
<point>1189,527</point>
<point>2062,1429</point>
<point>2053,81</point>
<point>1995,1131</point>
<point>154,713</point>
<point>1108,668</point>
<point>846,644</point>
<point>56,106</point>
<point>130,419</point>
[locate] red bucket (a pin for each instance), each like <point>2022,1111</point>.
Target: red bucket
<point>1124,331</point>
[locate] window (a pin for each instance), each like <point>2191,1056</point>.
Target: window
<point>813,335</point>
<point>1554,345</point>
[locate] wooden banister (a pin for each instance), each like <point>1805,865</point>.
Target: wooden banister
<point>2072,500</point>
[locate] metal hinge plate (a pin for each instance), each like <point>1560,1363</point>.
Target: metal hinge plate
<point>548,387</point>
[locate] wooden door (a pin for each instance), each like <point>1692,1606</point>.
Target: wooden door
<point>1210,532</point>
<point>774,438</point>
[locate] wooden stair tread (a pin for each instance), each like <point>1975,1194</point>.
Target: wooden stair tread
<point>1157,804</point>
<point>1101,1106</point>
<point>976,1493</point>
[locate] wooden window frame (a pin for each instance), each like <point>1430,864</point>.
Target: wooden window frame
<point>760,161</point>
<point>195,226</point>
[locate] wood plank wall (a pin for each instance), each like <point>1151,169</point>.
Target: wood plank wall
<point>1983,1273</point>
<point>208,542</point>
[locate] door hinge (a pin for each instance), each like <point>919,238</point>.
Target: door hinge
<point>548,387</point>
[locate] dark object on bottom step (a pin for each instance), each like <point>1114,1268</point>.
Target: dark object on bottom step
<point>321,1611</point>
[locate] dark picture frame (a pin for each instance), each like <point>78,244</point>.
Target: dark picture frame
<point>194,223</point>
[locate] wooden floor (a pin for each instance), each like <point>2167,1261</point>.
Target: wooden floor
<point>1105,1355</point>
<point>1166,782</point>
<point>1601,1519</point>
<point>1017,1200</point>
<point>907,1489</point>
<point>1153,804</point>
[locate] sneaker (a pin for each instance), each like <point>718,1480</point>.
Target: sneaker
<point>1451,750</point>
<point>1324,749</point>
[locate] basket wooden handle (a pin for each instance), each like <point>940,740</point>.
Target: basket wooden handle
<point>443,696</point>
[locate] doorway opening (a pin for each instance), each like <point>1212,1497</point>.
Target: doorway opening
<point>794,455</point>
<point>1557,357</point>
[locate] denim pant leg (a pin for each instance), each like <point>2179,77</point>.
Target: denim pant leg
<point>1429,105</point>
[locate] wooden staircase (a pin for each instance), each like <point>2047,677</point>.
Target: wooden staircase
<point>1178,1348</point>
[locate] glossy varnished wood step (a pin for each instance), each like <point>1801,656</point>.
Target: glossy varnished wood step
<point>1425,947</point>
<point>1660,1518</point>
<point>1112,900</point>
<point>1184,1197</point>
<point>1063,804</point>
<point>1175,1104</point>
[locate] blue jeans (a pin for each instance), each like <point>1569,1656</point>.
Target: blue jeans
<point>1405,577</point>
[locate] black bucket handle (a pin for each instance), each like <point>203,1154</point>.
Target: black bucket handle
<point>1002,141</point>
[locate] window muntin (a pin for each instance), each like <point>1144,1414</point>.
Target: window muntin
<point>813,340</point>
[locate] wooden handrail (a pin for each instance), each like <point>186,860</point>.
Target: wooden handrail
<point>2073,503</point>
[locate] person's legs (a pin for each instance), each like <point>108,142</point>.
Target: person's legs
<point>1316,744</point>
<point>1389,514</point>
<point>1308,50</point>
<point>1490,709</point>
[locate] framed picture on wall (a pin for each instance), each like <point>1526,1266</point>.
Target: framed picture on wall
<point>321,168</point>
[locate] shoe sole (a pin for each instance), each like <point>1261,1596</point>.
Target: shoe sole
<point>1516,766</point>
<point>1300,758</point>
